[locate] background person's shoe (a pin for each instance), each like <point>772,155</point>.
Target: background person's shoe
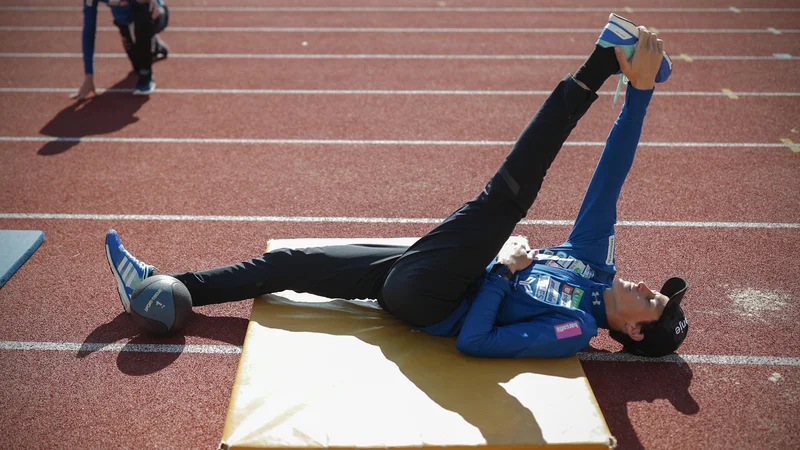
<point>160,50</point>
<point>146,84</point>
<point>127,270</point>
<point>160,54</point>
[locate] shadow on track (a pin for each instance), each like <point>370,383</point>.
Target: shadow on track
<point>618,383</point>
<point>99,114</point>
<point>135,359</point>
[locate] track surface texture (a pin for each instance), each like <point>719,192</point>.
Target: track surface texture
<point>368,118</point>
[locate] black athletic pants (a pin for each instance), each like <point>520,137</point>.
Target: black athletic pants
<point>137,38</point>
<point>424,283</point>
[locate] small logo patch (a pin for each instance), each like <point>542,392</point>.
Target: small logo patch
<point>612,242</point>
<point>153,299</point>
<point>568,330</point>
<point>682,325</point>
<point>576,297</point>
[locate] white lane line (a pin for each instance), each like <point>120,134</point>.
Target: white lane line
<point>234,349</point>
<point>159,140</point>
<point>381,220</point>
<point>778,56</point>
<point>117,347</point>
<point>416,9</point>
<point>696,359</point>
<point>775,56</point>
<point>408,30</point>
<point>387,92</point>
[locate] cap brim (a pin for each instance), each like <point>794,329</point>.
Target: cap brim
<point>674,288</point>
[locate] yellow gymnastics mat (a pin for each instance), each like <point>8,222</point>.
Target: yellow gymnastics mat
<point>345,374</point>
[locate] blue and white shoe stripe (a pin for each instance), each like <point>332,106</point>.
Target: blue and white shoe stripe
<point>128,273</point>
<point>127,270</point>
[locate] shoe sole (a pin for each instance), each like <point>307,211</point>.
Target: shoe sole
<point>123,295</point>
<point>631,27</point>
<point>625,24</point>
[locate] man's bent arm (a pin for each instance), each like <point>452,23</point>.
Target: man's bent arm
<point>550,335</point>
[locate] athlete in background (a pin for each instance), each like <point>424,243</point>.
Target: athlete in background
<point>139,22</point>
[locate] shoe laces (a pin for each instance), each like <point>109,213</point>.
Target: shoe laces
<point>136,263</point>
<point>622,80</point>
<point>142,266</point>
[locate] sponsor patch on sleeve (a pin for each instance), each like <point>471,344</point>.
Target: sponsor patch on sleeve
<point>568,330</point>
<point>612,241</point>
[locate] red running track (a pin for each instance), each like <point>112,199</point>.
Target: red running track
<point>742,299</point>
<point>761,44</point>
<point>715,119</point>
<point>279,73</point>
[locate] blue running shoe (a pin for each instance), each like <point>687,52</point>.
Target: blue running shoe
<point>127,270</point>
<point>621,32</point>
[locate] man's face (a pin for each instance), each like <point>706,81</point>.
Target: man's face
<point>636,302</point>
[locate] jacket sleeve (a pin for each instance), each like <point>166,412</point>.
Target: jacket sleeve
<point>551,335</point>
<point>598,213</point>
<point>88,36</point>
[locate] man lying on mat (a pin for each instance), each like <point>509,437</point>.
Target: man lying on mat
<point>139,22</point>
<point>468,277</point>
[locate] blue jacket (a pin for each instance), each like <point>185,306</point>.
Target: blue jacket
<point>555,306</point>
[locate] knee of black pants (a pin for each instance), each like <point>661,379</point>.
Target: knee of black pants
<point>413,300</point>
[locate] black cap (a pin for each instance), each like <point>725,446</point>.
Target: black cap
<point>666,334</point>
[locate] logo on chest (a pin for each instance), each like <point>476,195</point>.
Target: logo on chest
<point>562,260</point>
<point>548,290</point>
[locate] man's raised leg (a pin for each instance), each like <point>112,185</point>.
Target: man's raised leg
<point>432,278</point>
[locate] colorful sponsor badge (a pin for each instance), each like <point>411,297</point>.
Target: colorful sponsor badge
<point>553,292</point>
<point>565,262</point>
<point>541,287</point>
<point>577,295</point>
<point>577,267</point>
<point>568,330</point>
<point>566,295</point>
